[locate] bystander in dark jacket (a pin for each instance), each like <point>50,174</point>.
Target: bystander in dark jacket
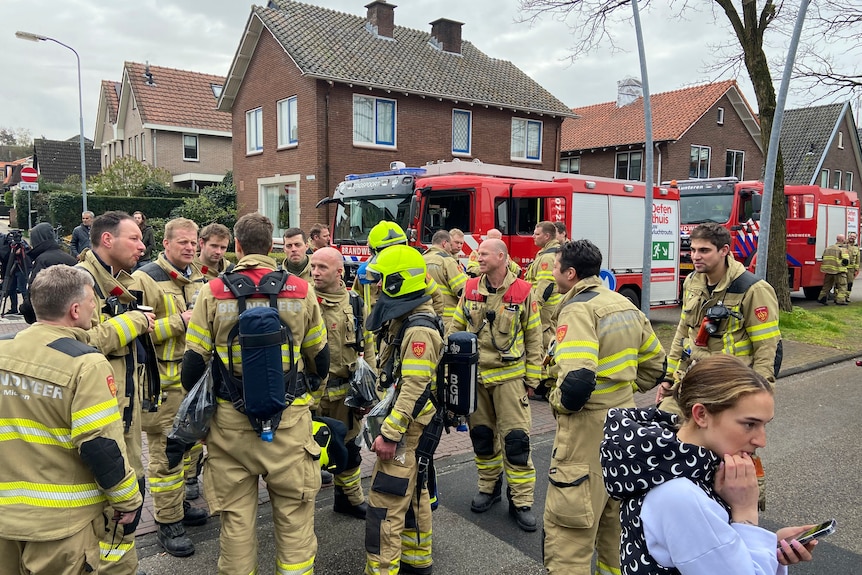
<point>46,252</point>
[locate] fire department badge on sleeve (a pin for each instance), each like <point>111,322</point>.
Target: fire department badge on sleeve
<point>418,348</point>
<point>561,333</point>
<point>112,387</point>
<point>535,307</point>
<point>544,266</point>
<point>762,313</point>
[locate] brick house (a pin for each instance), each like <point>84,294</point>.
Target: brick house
<point>318,94</point>
<point>705,131</point>
<point>56,160</point>
<point>820,146</point>
<point>166,118</point>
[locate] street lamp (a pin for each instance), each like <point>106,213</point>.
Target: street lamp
<point>39,38</point>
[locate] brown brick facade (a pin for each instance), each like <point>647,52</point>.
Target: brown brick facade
<point>841,159</point>
<point>325,152</point>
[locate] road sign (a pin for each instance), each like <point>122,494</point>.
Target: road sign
<point>29,175</point>
<point>28,186</point>
<point>608,278</point>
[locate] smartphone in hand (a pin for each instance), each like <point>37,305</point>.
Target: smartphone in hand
<point>816,532</point>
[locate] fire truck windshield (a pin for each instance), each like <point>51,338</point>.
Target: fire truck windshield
<point>356,216</point>
<point>702,208</point>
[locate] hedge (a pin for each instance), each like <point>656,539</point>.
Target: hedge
<point>65,208</point>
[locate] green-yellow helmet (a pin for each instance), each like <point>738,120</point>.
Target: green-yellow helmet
<point>384,235</point>
<point>401,269</point>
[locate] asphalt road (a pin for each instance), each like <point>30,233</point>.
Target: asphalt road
<point>813,466</point>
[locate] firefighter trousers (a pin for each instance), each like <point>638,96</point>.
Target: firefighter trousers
<point>837,281</point>
<point>348,480</point>
<point>580,517</point>
<point>118,553</point>
<point>74,555</point>
<point>236,459</point>
<point>193,461</point>
<point>167,484</point>
<point>500,432</point>
<point>397,526</point>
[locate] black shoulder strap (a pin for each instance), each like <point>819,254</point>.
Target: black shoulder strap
<point>156,272</point>
<point>742,283</point>
<point>72,347</point>
<point>358,306</point>
<point>585,295</point>
<point>552,250</point>
<point>96,287</point>
<point>242,287</point>
<point>421,319</point>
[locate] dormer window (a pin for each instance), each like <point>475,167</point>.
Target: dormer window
<point>216,88</point>
<point>720,119</point>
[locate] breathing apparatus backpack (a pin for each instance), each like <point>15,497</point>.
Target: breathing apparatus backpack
<point>265,389</point>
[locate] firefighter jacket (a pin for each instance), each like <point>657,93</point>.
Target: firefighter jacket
<point>444,269</point>
<point>836,258</point>
<point>169,291</point>
<point>853,257</point>
<point>115,336</point>
<point>414,373</point>
<point>754,338</point>
<point>209,273</point>
<point>345,342</point>
<point>541,275</point>
<point>506,323</point>
<point>602,339</point>
<point>304,273</point>
<point>216,313</point>
<point>62,441</point>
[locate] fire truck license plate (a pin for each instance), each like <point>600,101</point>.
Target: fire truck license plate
<point>686,266</point>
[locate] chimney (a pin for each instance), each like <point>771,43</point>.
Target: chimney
<point>148,75</point>
<point>381,18</point>
<point>446,35</point>
<point>628,91</point>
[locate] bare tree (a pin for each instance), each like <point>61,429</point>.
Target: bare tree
<point>591,22</point>
<point>831,24</point>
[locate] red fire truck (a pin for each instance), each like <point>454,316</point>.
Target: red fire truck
<point>475,197</point>
<point>815,216</point>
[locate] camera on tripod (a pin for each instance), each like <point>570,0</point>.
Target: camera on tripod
<point>15,238</point>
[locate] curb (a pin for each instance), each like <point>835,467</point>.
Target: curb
<point>817,364</point>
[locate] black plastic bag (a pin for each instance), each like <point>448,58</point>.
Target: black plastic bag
<point>192,422</point>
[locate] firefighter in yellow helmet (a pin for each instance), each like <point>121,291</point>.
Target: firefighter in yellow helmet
<point>384,235</point>
<point>398,522</point>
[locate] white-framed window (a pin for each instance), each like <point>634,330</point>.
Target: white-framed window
<point>733,166</point>
<point>288,132</point>
<point>571,165</point>
<point>278,199</point>
<point>699,163</point>
<point>840,140</point>
<point>836,179</point>
<point>526,140</point>
<point>720,119</point>
<point>254,131</point>
<point>137,148</point>
<point>824,178</point>
<point>462,132</point>
<point>374,121</point>
<point>143,146</point>
<point>629,165</point>
<point>848,181</point>
<point>190,147</point>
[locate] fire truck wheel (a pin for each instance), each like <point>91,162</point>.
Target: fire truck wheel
<point>811,292</point>
<point>632,296</point>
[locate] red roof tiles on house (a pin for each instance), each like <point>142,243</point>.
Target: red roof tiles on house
<point>673,113</point>
<point>111,90</point>
<point>177,98</point>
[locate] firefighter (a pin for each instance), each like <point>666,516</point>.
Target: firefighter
<point>170,285</point>
<point>456,242</point>
<point>318,237</point>
<point>63,450</point>
<point>398,524</point>
<point>472,268</point>
<point>383,235</point>
<point>213,241</point>
<point>500,309</point>
<point>443,268</point>
<point>833,265</point>
<point>540,274</point>
<point>561,232</point>
<point>853,262</point>
<point>296,261</point>
<point>347,339</point>
<point>725,309</point>
<point>116,246</point>
<point>236,456</point>
<point>605,349</point>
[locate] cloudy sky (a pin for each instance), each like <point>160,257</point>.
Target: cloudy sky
<point>40,88</point>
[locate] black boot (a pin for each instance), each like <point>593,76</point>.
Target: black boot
<point>823,301</point>
<point>172,536</point>
<point>524,516</point>
<point>325,477</point>
<point>341,504</point>
<point>193,516</point>
<point>193,489</point>
<point>414,570</point>
<point>482,502</point>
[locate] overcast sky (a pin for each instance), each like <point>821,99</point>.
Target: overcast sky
<point>40,87</point>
